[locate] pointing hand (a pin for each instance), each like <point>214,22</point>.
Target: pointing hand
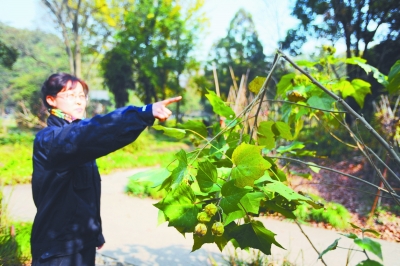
<point>160,111</point>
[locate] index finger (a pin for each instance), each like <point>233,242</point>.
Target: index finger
<point>172,100</point>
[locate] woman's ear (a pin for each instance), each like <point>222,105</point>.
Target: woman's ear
<point>51,101</point>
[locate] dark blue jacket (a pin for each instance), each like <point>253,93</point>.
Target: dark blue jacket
<point>66,182</point>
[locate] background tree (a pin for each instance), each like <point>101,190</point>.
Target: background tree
<point>157,40</point>
<point>8,55</point>
<point>358,22</point>
<point>39,54</point>
<point>240,49</point>
<point>86,26</point>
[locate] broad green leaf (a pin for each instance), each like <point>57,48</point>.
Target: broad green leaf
<point>155,176</point>
<point>256,84</point>
<point>361,89</point>
<point>394,78</point>
<point>161,217</point>
<point>368,68</point>
<point>283,190</point>
<point>271,205</point>
<point>254,235</point>
<point>196,126</point>
<point>324,102</point>
<point>179,208</point>
<point>283,129</point>
<point>369,245</point>
<point>171,132</point>
<point>249,164</point>
<point>265,135</point>
<point>251,201</point>
<point>332,246</point>
<point>206,175</point>
<point>219,107</point>
<point>285,84</point>
<point>234,216</point>
<point>369,263</point>
<point>181,171</point>
<point>231,197</point>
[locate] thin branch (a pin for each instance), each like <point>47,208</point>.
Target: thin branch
<point>306,106</point>
<point>389,148</point>
<point>309,240</point>
<point>338,172</point>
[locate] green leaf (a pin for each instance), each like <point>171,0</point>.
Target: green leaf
<point>231,197</point>
<point>206,175</point>
<point>285,84</point>
<point>394,78</point>
<point>265,135</point>
<point>368,68</point>
<point>271,205</point>
<point>305,63</point>
<point>283,190</point>
<point>256,84</point>
<point>315,168</point>
<point>324,102</point>
<point>181,171</point>
<point>361,89</point>
<point>179,208</point>
<point>283,129</point>
<point>355,226</point>
<point>254,235</point>
<point>171,132</point>
<point>369,245</point>
<point>219,107</point>
<point>196,126</point>
<point>332,246</point>
<point>249,164</point>
<point>251,201</point>
<point>198,241</point>
<point>372,231</point>
<point>155,176</point>
<point>232,216</point>
<point>304,175</point>
<point>369,263</point>
<point>350,235</point>
<point>295,145</point>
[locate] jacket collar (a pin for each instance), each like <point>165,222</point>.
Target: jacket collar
<point>58,122</point>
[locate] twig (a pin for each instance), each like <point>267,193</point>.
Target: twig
<point>316,250</point>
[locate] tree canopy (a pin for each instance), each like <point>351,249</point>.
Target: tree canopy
<point>152,50</point>
<point>240,49</point>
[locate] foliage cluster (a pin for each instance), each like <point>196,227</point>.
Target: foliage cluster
<point>239,171</point>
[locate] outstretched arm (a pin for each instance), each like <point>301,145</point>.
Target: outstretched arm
<point>160,110</point>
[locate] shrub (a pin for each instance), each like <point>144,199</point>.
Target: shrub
<point>144,189</point>
<point>333,213</point>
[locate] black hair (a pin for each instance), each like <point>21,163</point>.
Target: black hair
<point>58,82</point>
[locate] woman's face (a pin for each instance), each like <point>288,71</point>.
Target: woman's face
<point>70,101</point>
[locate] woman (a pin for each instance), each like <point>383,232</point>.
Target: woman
<point>65,181</point>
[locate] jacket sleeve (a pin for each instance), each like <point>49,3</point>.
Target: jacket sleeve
<point>86,140</point>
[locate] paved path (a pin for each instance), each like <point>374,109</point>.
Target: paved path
<point>133,237</point>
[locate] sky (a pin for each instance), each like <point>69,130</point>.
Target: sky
<point>272,19</point>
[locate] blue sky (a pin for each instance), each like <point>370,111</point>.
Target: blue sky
<point>272,18</point>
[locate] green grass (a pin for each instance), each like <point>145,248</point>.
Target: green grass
<point>150,149</point>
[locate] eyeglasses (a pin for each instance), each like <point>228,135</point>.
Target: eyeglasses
<point>71,97</point>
